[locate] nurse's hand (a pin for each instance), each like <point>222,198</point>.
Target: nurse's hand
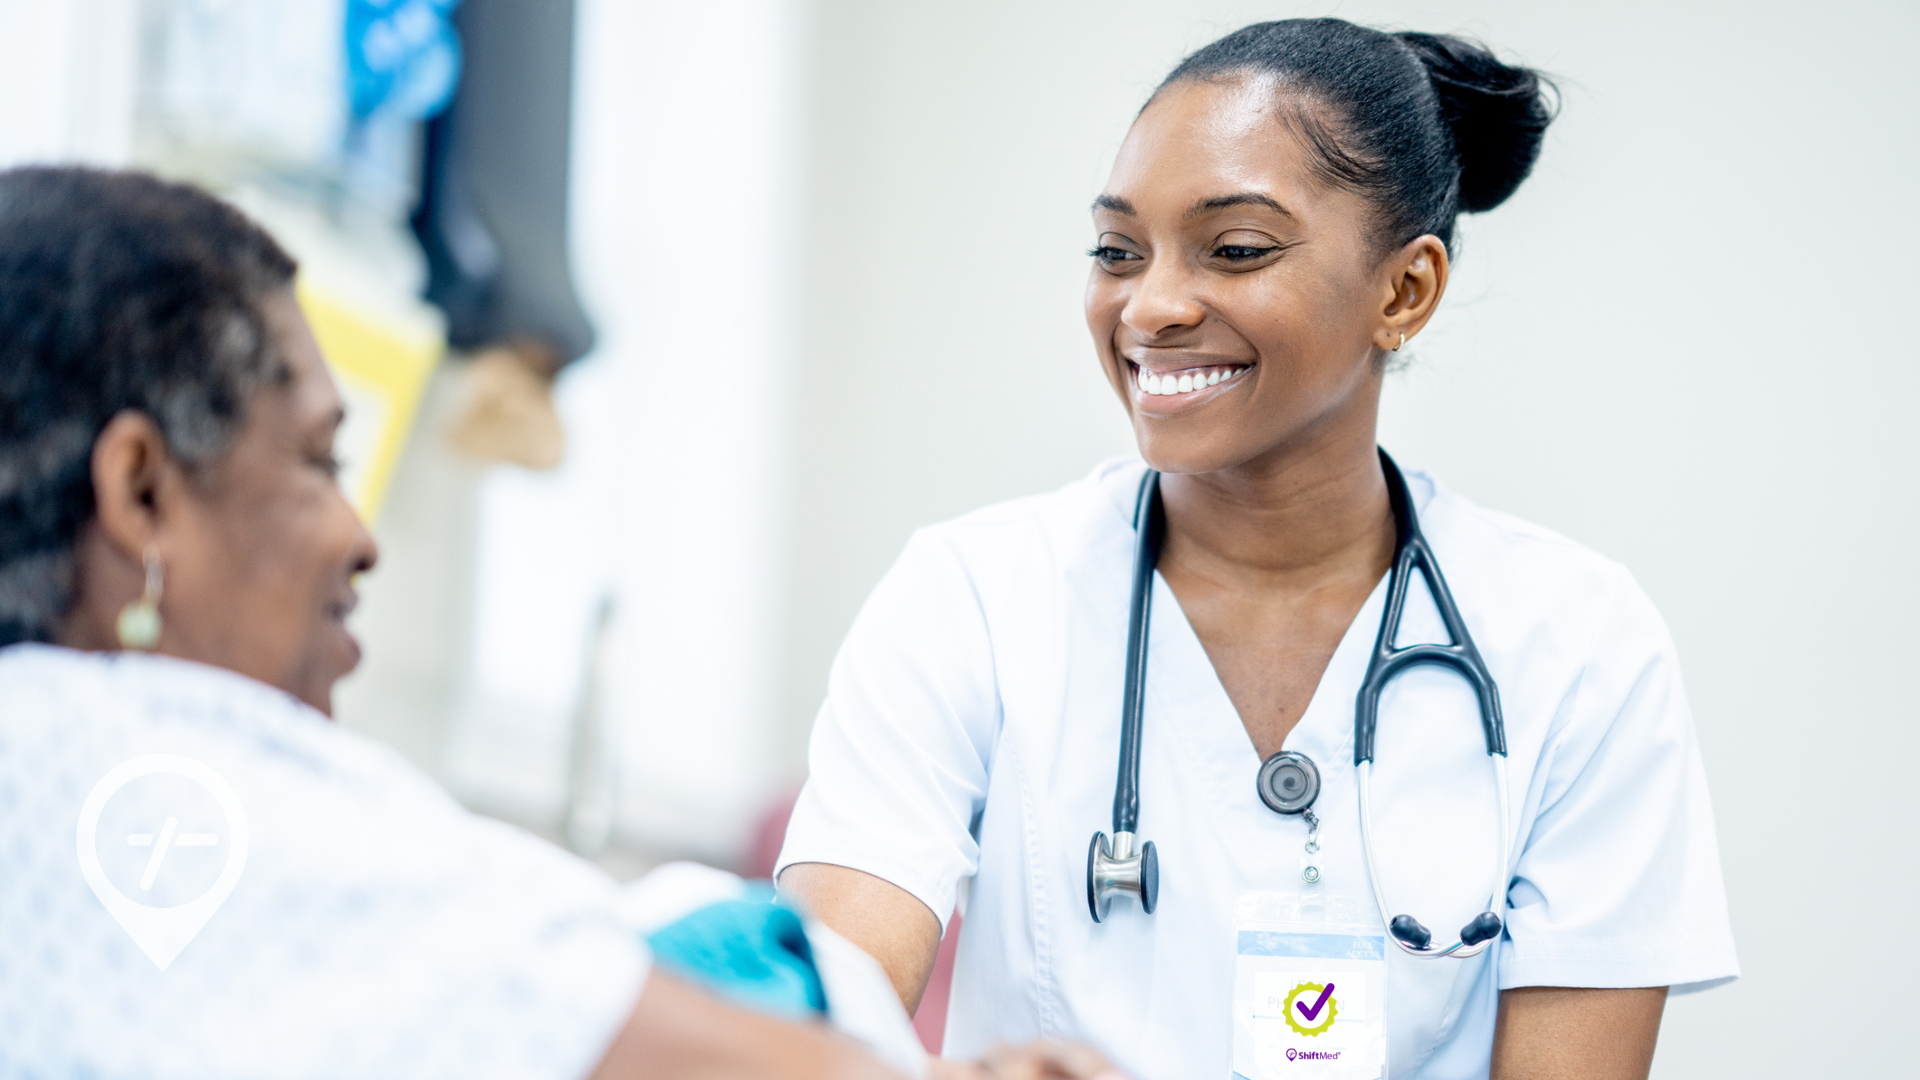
<point>1034,1061</point>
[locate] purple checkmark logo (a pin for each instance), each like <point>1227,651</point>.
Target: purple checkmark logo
<point>1319,1003</point>
<point>1313,1019</point>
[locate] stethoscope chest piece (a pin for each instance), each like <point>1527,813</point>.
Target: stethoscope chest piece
<point>1289,781</point>
<point>1114,868</point>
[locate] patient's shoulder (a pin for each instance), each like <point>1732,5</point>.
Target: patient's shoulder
<point>375,927</point>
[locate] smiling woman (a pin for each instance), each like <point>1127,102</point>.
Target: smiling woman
<point>1278,222</point>
<point>1336,247</point>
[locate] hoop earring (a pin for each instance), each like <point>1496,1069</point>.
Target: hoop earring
<point>139,623</point>
<point>1403,341</point>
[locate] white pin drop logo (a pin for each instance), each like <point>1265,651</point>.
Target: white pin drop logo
<point>162,932</point>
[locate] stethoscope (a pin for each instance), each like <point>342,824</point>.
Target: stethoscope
<point>1288,782</point>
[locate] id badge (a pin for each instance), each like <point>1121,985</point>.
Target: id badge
<point>1309,988</point>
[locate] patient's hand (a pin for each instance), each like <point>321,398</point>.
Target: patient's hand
<point>1034,1061</point>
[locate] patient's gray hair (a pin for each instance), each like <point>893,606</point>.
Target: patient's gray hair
<point>118,291</point>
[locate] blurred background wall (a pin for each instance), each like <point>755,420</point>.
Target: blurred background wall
<point>834,251</point>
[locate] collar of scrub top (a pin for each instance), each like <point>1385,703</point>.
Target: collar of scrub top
<point>1116,869</point>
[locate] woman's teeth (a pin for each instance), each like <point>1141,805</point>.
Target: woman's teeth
<point>1185,382</point>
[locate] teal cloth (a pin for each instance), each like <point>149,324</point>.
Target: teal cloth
<point>754,953</point>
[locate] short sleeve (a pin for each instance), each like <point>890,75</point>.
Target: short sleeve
<point>900,752</point>
<point>1618,883</point>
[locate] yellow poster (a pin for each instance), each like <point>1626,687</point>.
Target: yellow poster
<point>382,370</point>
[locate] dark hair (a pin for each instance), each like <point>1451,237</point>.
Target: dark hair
<point>117,291</point>
<point>1425,125</point>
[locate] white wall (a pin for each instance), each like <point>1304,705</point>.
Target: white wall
<point>1687,343</point>
<point>67,80</point>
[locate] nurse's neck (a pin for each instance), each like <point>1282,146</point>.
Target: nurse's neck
<point>1271,561</point>
<point>1306,520</point>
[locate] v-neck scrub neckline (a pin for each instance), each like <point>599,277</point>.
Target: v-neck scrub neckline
<point>1324,731</point>
<point>968,745</point>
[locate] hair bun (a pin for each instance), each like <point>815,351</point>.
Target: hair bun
<point>1498,114</point>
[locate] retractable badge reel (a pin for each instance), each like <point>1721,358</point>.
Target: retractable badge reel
<point>1289,781</point>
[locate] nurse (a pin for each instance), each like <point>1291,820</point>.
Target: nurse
<point>1278,223</point>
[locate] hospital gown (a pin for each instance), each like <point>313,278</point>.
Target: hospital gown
<point>376,930</point>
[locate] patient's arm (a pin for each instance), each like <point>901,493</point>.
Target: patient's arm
<point>889,922</point>
<point>895,928</point>
<point>681,1032</point>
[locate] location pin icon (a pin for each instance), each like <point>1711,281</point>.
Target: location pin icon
<point>161,932</point>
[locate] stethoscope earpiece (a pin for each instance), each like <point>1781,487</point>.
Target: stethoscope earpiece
<point>1485,927</point>
<point>1407,930</point>
<point>1411,935</point>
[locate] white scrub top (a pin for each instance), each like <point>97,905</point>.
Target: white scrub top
<point>970,737</point>
<point>376,929</point>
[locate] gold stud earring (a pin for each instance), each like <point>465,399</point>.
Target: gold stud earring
<point>1403,341</point>
<point>139,622</point>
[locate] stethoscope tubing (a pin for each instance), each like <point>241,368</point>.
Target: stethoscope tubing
<point>1501,869</point>
<point>1118,869</point>
<point>1412,553</point>
<point>1149,529</point>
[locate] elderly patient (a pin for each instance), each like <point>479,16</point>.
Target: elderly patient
<point>176,571</point>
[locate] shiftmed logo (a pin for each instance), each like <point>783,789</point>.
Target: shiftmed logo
<point>1310,1009</point>
<point>175,836</point>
